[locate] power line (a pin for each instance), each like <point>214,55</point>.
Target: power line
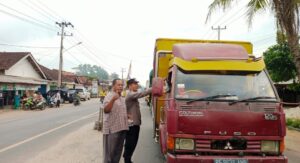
<point>101,51</point>
<point>233,20</point>
<point>28,46</point>
<point>97,59</point>
<point>266,38</point>
<point>35,8</point>
<point>51,12</point>
<point>74,57</point>
<point>235,14</point>
<point>28,16</point>
<point>27,21</point>
<point>221,20</point>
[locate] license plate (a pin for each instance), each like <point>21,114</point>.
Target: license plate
<point>230,161</point>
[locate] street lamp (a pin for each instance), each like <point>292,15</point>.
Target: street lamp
<point>72,46</point>
<point>59,82</point>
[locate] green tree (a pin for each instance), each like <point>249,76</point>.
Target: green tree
<point>286,13</point>
<point>113,76</point>
<point>279,62</point>
<point>92,71</point>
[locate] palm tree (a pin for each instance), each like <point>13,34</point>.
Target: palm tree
<point>286,13</point>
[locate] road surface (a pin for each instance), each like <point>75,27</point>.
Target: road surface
<point>24,134</point>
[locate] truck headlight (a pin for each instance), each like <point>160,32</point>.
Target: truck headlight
<point>270,146</point>
<point>185,144</point>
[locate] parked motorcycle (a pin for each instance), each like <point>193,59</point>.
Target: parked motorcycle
<point>35,104</point>
<point>50,101</point>
<point>40,104</point>
<point>28,103</point>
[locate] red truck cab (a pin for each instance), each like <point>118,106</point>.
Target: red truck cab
<point>218,106</point>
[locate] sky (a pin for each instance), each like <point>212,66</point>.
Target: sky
<point>116,32</point>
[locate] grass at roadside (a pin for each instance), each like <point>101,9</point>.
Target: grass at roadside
<point>293,122</point>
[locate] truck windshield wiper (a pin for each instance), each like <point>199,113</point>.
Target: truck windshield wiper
<point>208,98</point>
<point>251,99</point>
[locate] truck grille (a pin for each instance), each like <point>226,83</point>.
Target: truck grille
<point>231,144</point>
<point>221,146</point>
<point>203,145</point>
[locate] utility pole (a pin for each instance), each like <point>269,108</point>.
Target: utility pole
<point>219,31</point>
<point>62,25</point>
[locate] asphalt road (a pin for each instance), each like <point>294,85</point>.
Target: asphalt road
<point>24,134</point>
<point>147,150</point>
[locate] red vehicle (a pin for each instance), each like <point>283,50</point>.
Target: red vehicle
<point>214,102</point>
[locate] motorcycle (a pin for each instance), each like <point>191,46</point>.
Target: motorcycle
<point>102,99</point>
<point>28,103</point>
<point>76,100</point>
<point>35,104</point>
<point>50,102</point>
<point>40,104</point>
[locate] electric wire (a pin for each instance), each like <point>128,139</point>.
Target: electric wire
<point>37,10</point>
<point>29,46</point>
<point>26,15</point>
<point>51,12</point>
<point>222,20</point>
<point>27,20</point>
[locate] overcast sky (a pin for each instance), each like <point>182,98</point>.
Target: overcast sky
<point>115,32</point>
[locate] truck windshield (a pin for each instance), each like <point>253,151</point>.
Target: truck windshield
<point>231,85</point>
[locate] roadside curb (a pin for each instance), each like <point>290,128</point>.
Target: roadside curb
<point>293,128</point>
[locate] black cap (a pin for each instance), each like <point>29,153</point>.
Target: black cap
<point>131,81</point>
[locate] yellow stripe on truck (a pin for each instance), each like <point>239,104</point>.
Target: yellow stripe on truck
<point>218,65</point>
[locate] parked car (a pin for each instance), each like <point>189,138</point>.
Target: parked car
<point>63,94</point>
<point>83,94</point>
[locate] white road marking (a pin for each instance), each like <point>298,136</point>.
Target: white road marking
<point>46,132</point>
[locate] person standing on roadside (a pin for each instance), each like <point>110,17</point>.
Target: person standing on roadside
<point>115,123</point>
<point>57,99</point>
<point>133,110</point>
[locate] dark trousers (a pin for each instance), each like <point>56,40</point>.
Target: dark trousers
<point>131,140</point>
<point>113,146</point>
<point>58,103</point>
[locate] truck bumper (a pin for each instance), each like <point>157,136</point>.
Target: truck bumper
<point>210,159</point>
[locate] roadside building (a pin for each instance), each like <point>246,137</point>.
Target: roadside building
<point>69,80</point>
<point>20,75</point>
<point>85,82</point>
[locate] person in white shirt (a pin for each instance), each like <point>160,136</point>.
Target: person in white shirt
<point>57,99</point>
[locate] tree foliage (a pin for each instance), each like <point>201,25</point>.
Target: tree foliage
<point>92,71</point>
<point>113,76</point>
<point>279,62</point>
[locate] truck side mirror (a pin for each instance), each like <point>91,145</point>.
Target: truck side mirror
<point>157,86</point>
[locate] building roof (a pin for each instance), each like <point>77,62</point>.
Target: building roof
<point>84,80</point>
<point>8,59</point>
<point>23,80</point>
<point>49,73</point>
<point>53,75</point>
